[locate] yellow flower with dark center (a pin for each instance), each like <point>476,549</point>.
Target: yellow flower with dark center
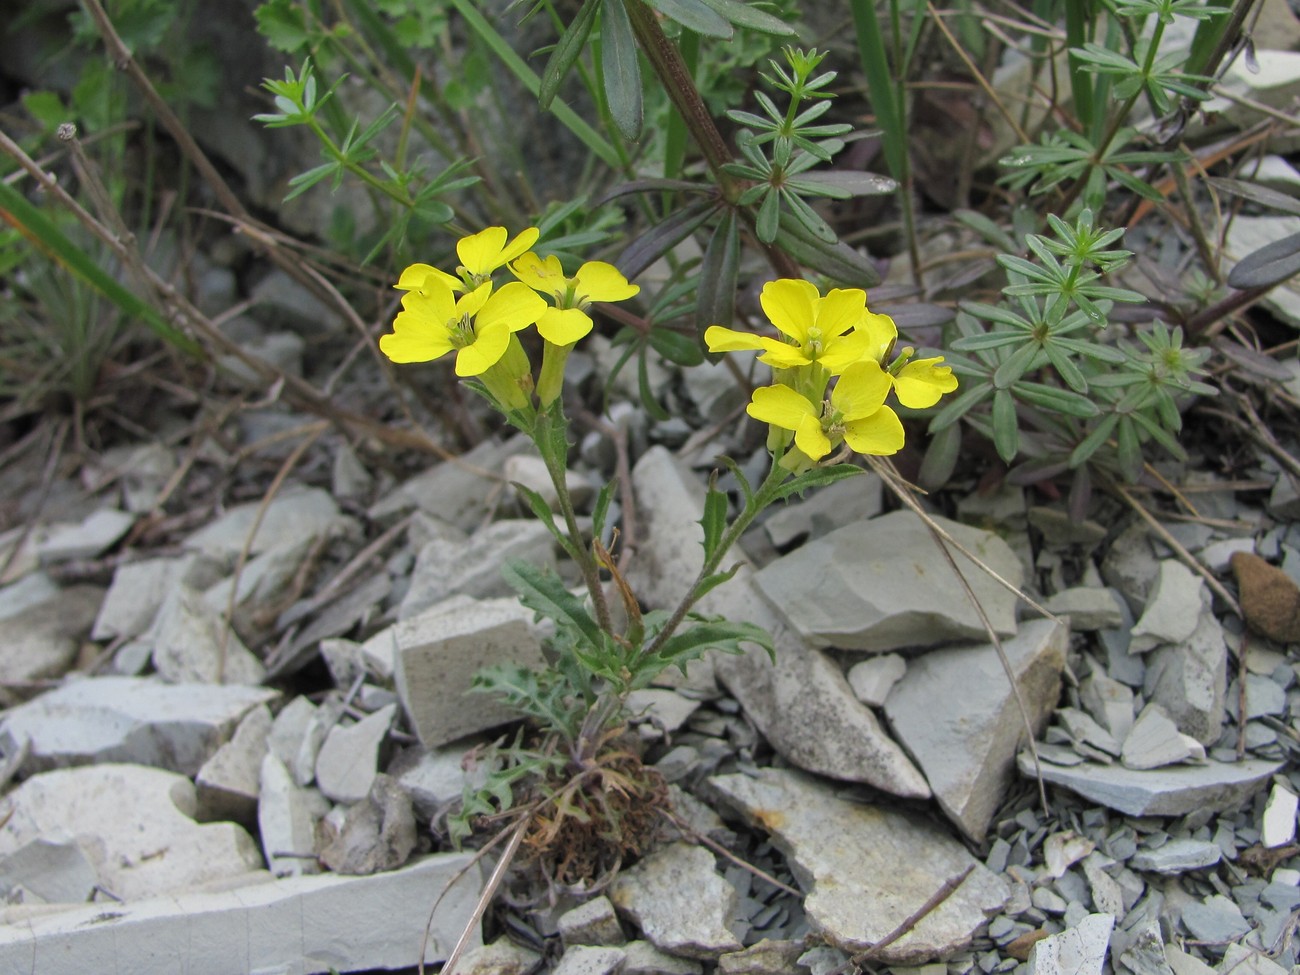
<point>477,325</point>
<point>854,414</point>
<point>816,330</point>
<point>480,255</point>
<point>568,320</point>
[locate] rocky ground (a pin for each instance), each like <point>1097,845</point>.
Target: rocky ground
<point>272,796</point>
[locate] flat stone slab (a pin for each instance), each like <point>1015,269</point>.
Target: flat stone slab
<point>955,712</point>
<point>867,869</point>
<point>1080,950</point>
<point>680,901</point>
<point>294,515</point>
<point>295,926</point>
<point>135,824</point>
<point>128,719</point>
<point>883,583</point>
<point>1171,791</point>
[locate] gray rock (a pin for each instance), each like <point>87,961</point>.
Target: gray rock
<point>376,834</point>
<point>1130,565</point>
<point>1060,528</point>
<point>1079,950</point>
<point>1154,741</point>
<point>292,517</point>
<point>1189,679</point>
<point>592,923</point>
<point>321,721</point>
<point>1108,702</point>
<point>288,730</point>
<point>1145,953</point>
<point>436,777</point>
<point>1177,856</point>
<point>873,678</point>
<point>286,817</point>
<point>1088,608</point>
<point>1172,610</point>
<point>1215,919</point>
<point>530,471</point>
<point>262,583</point>
<point>1263,696</point>
<point>123,815</point>
<point>501,957</point>
<point>1218,555</point>
<point>800,702</point>
<point>956,713</point>
<point>1184,964</point>
<point>643,958</point>
<point>193,644</point>
<point>348,762</point>
<point>228,782</point>
<point>1242,960</point>
<point>679,901</point>
<point>28,592</point>
<point>99,532</point>
<point>1107,895</point>
<point>664,709</point>
<point>458,491</point>
<point>281,350</point>
<point>349,478</point>
<point>767,957</point>
<point>822,511</point>
<point>300,924</point>
<point>1082,728</point>
<point>852,589</point>
<point>126,719</point>
<point>866,868</point>
<point>40,642</point>
<point>1279,823</point>
<point>440,651</point>
<point>135,596</point>
<point>446,568</point>
<point>51,869</point>
<point>587,960</point>
<point>1173,791</point>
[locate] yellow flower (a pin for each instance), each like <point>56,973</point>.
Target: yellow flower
<point>921,382</point>
<point>855,414</point>
<point>480,254</point>
<point>821,330</point>
<point>568,320</point>
<point>477,325</point>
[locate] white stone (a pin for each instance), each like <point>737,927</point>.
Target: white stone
<point>1108,701</point>
<point>1177,856</point>
<point>643,958</point>
<point>1172,608</point>
<point>679,900</point>
<point>193,644</point>
<point>135,596</point>
<point>1080,950</point>
<point>295,926</point>
<point>93,536</point>
<point>461,490</point>
<point>957,714</point>
<point>292,516</point>
<point>801,701</point>
<point>28,592</point>
<point>589,960</point>
<point>866,869</point>
<point>663,709</point>
<point>873,678</point>
<point>1088,608</point>
<point>437,777</point>
<point>262,583</point>
<point>41,641</point>
<point>438,654</point>
<point>1189,679</point>
<point>592,923</point>
<point>855,589</point>
<point>1285,875</point>
<point>530,471</point>
<point>287,814</point>
<point>127,719</point>
<point>501,957</point>
<point>135,824</point>
<point>289,727</point>
<point>1242,960</point>
<point>349,759</point>
<point>227,783</point>
<point>1174,790</point>
<point>1153,741</point>
<point>1279,825</point>
<point>446,568</point>
<point>53,869</point>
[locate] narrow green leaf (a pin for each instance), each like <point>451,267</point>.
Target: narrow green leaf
<point>1270,265</point>
<point>694,15</point>
<point>817,477</point>
<point>1258,194</point>
<point>543,592</point>
<point>743,15</point>
<point>682,350</point>
<point>600,510</point>
<point>719,276</point>
<point>566,51</point>
<point>1094,441</point>
<point>1060,400</point>
<point>768,219</point>
<point>940,458</point>
<point>709,583</point>
<point>837,261</point>
<point>622,73</point>
<point>542,512</point>
<point>1006,426</point>
<point>714,520</point>
<point>850,183</point>
<point>663,237</point>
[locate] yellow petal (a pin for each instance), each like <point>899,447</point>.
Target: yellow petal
<point>881,331</point>
<point>544,275</point>
<point>564,326</point>
<point>879,434</point>
<point>485,351</point>
<point>473,302</point>
<point>921,382</point>
<point>788,303</point>
<point>479,252</point>
<point>861,390</point>
<point>514,305</point>
<point>434,302</point>
<point>811,438</point>
<point>840,310</point>
<point>415,338</point>
<point>782,355</point>
<point>415,278</point>
<point>523,240</point>
<point>598,281</point>
<point>719,339</point>
<point>781,406</point>
<point>841,352</point>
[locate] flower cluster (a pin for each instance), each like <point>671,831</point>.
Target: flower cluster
<point>464,312</point>
<point>825,338</point>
